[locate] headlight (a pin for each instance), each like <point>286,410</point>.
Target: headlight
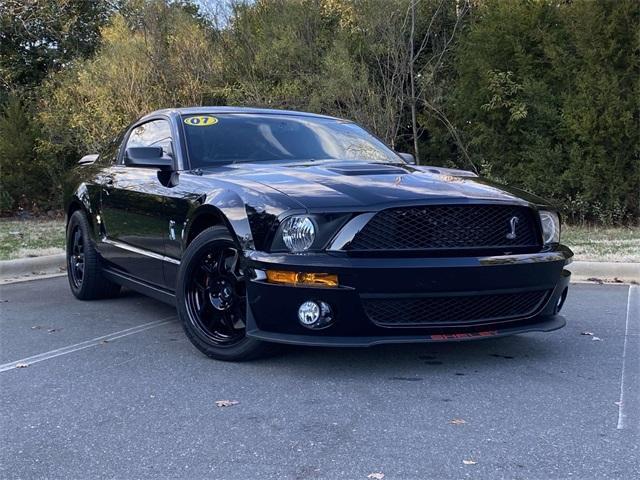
<point>298,233</point>
<point>302,232</point>
<point>550,227</point>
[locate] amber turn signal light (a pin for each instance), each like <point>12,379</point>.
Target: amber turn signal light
<point>302,278</point>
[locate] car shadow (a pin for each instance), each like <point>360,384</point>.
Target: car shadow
<point>408,362</point>
<point>402,362</point>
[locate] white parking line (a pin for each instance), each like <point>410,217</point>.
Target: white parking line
<point>86,344</point>
<point>631,330</point>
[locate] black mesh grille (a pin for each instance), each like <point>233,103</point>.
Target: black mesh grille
<point>447,227</point>
<point>452,309</point>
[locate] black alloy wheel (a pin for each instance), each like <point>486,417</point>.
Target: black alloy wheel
<point>75,260</point>
<point>84,269</point>
<point>211,298</point>
<point>215,294</point>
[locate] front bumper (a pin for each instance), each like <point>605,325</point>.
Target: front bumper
<point>272,308</point>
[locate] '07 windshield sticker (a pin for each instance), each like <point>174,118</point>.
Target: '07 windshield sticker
<point>201,121</point>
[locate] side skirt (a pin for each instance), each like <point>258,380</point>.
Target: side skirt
<point>140,287</point>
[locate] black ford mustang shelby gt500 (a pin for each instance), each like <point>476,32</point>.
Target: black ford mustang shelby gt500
<point>269,226</point>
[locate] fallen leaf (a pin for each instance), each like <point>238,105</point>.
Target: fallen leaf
<point>469,462</point>
<point>599,281</point>
<point>376,476</point>
<point>596,339</point>
<point>22,365</point>
<point>587,333</point>
<point>457,421</point>
<point>226,403</point>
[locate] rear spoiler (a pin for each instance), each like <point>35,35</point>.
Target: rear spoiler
<point>88,159</point>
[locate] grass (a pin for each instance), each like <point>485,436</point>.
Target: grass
<point>32,238</point>
<point>602,244</point>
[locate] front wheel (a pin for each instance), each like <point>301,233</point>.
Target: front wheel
<point>211,297</point>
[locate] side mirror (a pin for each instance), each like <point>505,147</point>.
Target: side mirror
<point>407,157</point>
<point>147,157</point>
<point>88,159</point>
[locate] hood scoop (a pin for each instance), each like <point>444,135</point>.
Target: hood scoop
<point>354,170</point>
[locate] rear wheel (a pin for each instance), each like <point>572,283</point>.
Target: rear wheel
<point>211,296</point>
<point>83,264</point>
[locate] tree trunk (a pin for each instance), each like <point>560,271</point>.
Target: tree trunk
<point>412,84</point>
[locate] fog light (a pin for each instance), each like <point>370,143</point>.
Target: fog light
<point>309,313</point>
<point>315,314</point>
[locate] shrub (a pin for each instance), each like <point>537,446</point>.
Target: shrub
<point>547,97</point>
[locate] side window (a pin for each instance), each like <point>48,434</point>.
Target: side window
<point>156,133</point>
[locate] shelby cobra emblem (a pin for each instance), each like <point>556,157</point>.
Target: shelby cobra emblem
<point>512,233</point>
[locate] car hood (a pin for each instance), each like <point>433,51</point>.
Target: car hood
<point>338,184</point>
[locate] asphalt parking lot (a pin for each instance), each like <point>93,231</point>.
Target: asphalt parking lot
<point>121,393</point>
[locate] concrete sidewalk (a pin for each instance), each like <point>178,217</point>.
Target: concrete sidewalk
<point>605,271</point>
<point>21,268</point>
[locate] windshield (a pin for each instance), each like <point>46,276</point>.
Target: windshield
<point>214,139</point>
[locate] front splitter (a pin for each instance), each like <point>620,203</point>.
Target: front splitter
<point>546,324</point>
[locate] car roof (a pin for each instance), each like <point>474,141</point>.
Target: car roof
<point>226,109</point>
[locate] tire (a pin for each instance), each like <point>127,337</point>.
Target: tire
<point>83,263</point>
<point>211,298</point>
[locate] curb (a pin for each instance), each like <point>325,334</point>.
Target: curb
<point>32,266</point>
<point>51,264</point>
<point>618,272</point>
